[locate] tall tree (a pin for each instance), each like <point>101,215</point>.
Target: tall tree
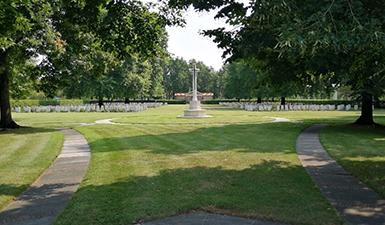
<point>220,84</point>
<point>93,70</point>
<point>63,32</point>
<point>23,84</point>
<point>177,77</point>
<point>156,78</point>
<point>134,79</point>
<point>25,31</point>
<point>241,81</point>
<point>321,37</point>
<point>207,76</point>
<point>119,33</point>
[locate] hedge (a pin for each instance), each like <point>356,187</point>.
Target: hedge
<point>305,101</point>
<point>45,102</point>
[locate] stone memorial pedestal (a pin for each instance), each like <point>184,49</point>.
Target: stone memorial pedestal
<point>195,111</point>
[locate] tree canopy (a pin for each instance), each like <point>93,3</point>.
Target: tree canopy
<point>81,42</point>
<point>341,40</point>
<point>25,31</point>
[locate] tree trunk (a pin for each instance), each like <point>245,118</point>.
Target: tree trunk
<point>126,100</point>
<point>366,117</point>
<point>283,101</point>
<point>6,120</point>
<point>100,102</point>
<point>377,102</point>
<point>259,100</point>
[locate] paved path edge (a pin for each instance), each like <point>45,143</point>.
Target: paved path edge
<point>354,201</point>
<point>206,218</point>
<point>47,197</point>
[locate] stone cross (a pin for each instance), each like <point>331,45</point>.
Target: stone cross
<point>194,71</point>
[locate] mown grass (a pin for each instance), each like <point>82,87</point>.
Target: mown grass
<point>223,115</point>
<point>58,120</point>
<point>24,155</point>
<point>156,165</point>
<point>168,114</point>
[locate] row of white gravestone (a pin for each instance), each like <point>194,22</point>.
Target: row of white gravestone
<point>108,107</point>
<point>250,106</point>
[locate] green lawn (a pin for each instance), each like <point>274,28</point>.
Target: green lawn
<point>57,120</point>
<point>157,165</point>
<point>24,155</point>
<point>154,164</point>
<point>222,115</point>
<point>168,115</point>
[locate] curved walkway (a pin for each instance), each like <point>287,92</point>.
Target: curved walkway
<point>50,193</point>
<point>355,202</point>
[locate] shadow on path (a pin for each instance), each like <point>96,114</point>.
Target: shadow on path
<point>41,203</point>
<point>357,203</point>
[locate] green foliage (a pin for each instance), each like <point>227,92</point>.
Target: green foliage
<point>240,81</point>
<point>22,83</point>
<point>217,101</point>
<point>206,76</point>
<point>44,102</point>
<point>340,42</point>
<point>93,67</point>
<point>135,79</point>
<point>26,31</point>
<point>111,50</point>
<point>21,24</point>
<point>177,77</point>
<point>122,27</point>
<point>321,101</point>
<point>172,101</point>
<point>156,89</point>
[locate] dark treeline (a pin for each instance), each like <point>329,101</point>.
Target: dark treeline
<point>161,78</point>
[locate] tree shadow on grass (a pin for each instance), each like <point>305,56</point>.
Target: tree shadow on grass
<point>379,118</point>
<point>329,120</point>
<point>271,190</point>
<point>27,130</point>
<point>268,138</point>
<point>369,171</point>
<point>258,137</point>
<point>359,149</point>
<point>11,191</point>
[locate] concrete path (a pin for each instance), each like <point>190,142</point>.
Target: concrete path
<point>101,122</point>
<point>47,197</point>
<point>280,119</point>
<point>105,121</point>
<point>202,218</point>
<point>355,202</point>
